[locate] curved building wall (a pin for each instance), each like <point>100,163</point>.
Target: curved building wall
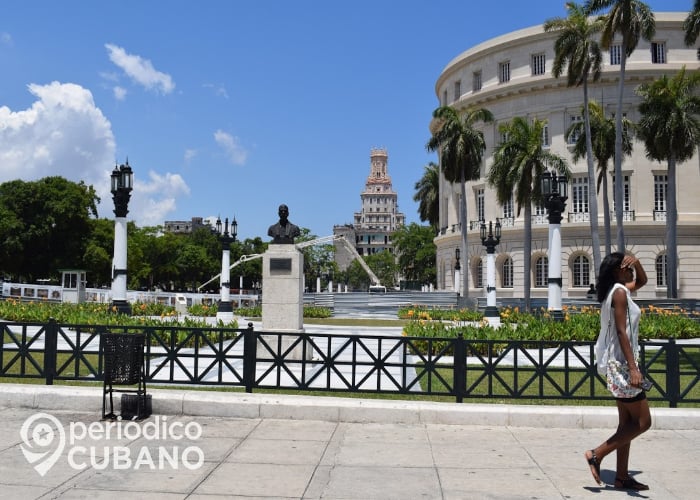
<point>511,76</point>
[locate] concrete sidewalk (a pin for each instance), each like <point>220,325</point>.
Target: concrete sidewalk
<point>270,446</point>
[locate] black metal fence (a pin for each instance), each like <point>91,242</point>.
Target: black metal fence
<point>453,367</point>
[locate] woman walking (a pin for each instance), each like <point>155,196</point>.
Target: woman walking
<point>619,275</point>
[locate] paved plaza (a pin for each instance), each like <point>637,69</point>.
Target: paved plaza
<point>209,445</point>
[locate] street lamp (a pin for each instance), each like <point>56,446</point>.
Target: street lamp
<point>122,182</point>
<point>490,241</point>
<point>554,190</point>
<point>225,307</point>
<point>458,272</point>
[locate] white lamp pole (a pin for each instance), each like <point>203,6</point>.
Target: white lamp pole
<point>490,241</point>
<point>554,190</point>
<point>225,307</point>
<point>122,182</point>
<point>458,273</point>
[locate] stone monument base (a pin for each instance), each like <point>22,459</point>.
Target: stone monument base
<point>283,296</point>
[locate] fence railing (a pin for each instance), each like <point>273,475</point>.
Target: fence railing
<point>453,367</point>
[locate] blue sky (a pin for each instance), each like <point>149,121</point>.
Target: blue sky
<point>233,107</point>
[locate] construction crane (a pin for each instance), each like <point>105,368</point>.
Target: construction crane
<point>350,248</point>
<point>318,241</point>
<point>244,258</point>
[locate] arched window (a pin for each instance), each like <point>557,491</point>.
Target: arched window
<point>479,274</point>
<point>507,273</point>
<point>581,271</point>
<point>661,270</point>
<point>541,272</point>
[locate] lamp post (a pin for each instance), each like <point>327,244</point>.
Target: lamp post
<point>225,307</point>
<point>458,272</point>
<point>490,241</point>
<point>122,182</point>
<point>554,190</point>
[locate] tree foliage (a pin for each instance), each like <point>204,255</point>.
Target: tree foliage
<point>416,253</point>
<point>44,226</point>
<point>428,195</point>
<point>460,142</point>
<point>670,129</point>
<point>519,162</point>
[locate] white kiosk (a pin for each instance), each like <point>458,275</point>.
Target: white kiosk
<point>73,284</point>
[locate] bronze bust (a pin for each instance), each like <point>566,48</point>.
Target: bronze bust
<point>284,232</point>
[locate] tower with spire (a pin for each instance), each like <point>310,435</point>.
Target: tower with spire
<point>379,216</point>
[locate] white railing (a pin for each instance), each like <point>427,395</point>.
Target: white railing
<point>54,293</point>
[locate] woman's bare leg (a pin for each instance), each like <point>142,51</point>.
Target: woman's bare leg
<point>633,419</point>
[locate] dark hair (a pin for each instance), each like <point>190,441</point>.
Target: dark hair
<point>606,275</point>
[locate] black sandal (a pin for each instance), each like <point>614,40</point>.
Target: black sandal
<point>630,484</point>
<point>595,464</point>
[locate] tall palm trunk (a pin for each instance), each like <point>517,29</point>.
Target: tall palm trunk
<point>592,193</point>
<point>618,149</point>
<point>606,214</point>
<point>463,229</point>
<point>672,232</point>
<point>527,253</point>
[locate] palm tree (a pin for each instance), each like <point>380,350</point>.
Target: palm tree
<point>691,25</point>
<point>428,195</point>
<point>633,20</point>
<point>577,51</point>
<point>518,163</point>
<point>461,147</point>
<point>603,144</point>
<point>670,129</point>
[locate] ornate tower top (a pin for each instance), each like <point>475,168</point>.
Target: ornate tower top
<point>378,171</point>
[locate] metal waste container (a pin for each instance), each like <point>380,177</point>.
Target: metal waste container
<point>123,355</point>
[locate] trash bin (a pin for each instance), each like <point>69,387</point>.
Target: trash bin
<point>124,366</point>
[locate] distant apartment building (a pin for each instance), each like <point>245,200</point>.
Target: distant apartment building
<point>184,227</point>
<point>378,218</point>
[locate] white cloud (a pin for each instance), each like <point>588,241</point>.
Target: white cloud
<point>140,70</point>
<point>189,154</point>
<point>5,38</point>
<point>119,93</point>
<point>64,133</point>
<point>235,153</point>
<point>218,89</point>
<point>153,199</point>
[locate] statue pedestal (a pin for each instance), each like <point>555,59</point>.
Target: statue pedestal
<point>283,296</point>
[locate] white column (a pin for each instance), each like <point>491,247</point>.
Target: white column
<point>225,279</point>
<point>458,281</point>
<point>492,315</point>
<point>119,260</point>
<point>318,284</point>
<point>225,312</point>
<point>491,280</point>
<point>554,268</point>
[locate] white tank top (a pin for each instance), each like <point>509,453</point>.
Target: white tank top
<point>634,314</point>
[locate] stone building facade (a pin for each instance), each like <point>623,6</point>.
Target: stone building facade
<point>511,76</point>
<point>184,226</point>
<point>378,217</point>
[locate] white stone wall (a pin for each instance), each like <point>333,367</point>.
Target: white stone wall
<point>549,99</point>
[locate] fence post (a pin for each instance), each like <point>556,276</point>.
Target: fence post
<point>250,345</point>
<point>50,346</point>
<point>460,368</point>
<point>673,375</point>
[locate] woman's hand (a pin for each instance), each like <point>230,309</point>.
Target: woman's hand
<point>629,261</point>
<point>635,377</point>
<point>636,279</point>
